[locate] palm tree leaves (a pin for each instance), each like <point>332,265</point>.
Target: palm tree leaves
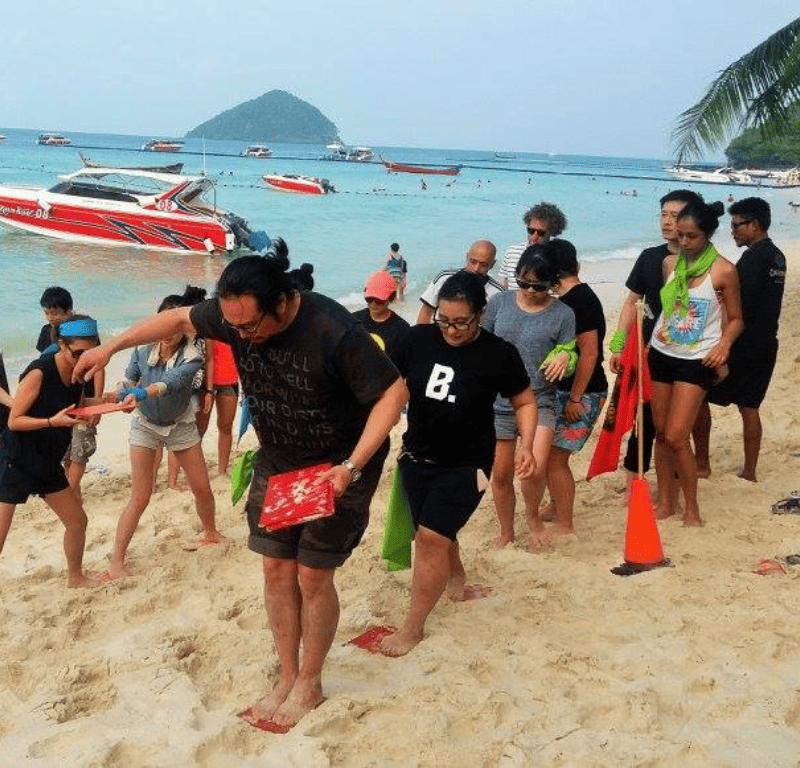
<point>757,89</point>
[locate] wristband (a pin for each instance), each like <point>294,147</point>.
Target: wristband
<point>577,402</point>
<point>140,393</point>
<point>48,423</point>
<point>617,343</point>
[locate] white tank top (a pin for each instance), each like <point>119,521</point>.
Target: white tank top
<point>692,336</point>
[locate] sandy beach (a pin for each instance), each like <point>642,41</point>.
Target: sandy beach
<point>563,664</point>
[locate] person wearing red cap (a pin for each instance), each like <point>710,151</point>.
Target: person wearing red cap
<point>383,324</point>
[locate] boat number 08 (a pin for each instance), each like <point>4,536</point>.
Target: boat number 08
<point>165,205</point>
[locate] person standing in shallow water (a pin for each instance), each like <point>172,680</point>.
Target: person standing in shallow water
<point>689,349</point>
<point>293,349</point>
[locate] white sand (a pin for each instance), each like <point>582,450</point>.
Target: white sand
<point>565,664</point>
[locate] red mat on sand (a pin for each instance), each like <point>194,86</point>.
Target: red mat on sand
<point>97,410</point>
<point>263,725</point>
<point>296,497</point>
<point>370,640</point>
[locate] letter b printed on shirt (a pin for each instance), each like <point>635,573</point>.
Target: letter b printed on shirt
<point>439,383</point>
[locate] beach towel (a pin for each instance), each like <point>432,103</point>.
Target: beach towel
<point>398,528</point>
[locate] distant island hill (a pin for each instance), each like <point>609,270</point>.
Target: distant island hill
<point>276,116</point>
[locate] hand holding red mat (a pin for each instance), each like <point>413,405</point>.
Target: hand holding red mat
<point>297,497</point>
<point>97,410</point>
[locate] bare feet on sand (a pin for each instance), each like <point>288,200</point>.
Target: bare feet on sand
<point>703,470</point>
<point>268,706</point>
<point>540,537</point>
<point>399,643</point>
<point>82,580</point>
<point>559,529</point>
<point>300,701</point>
<point>455,587</point>
<point>692,518</point>
<point>504,539</point>
<point>204,540</point>
<point>746,474</point>
<point>176,486</point>
<point>114,573</point>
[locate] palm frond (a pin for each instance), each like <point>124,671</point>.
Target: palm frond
<point>757,89</point>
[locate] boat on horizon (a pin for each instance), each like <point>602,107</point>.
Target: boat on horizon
<point>447,170</point>
<point>53,140</point>
<point>162,145</point>
<point>305,185</point>
<point>122,206</point>
<point>257,150</point>
<point>175,168</point>
<point>338,151</point>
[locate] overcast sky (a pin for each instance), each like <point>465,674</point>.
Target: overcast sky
<point>565,76</point>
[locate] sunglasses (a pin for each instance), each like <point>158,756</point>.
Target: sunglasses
<point>737,224</point>
<point>538,286</point>
<point>537,231</point>
<point>375,300</point>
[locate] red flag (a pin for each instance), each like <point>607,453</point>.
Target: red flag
<point>621,408</point>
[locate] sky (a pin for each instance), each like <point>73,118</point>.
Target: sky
<point>566,76</point>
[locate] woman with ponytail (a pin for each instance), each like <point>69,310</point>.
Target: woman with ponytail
<point>701,318</point>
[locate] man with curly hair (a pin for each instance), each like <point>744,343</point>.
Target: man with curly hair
<point>543,222</point>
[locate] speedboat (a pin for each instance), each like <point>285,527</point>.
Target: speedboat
<point>725,175</point>
<point>53,140</point>
<point>360,155</point>
<point>257,150</point>
<point>289,182</point>
<point>119,206</point>
<point>162,145</point>
<point>447,170</point>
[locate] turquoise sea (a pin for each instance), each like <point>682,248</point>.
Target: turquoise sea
<point>345,235</point>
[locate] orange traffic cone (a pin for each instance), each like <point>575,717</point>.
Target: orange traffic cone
<point>643,550</point>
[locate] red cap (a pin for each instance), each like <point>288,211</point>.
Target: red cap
<point>380,286</point>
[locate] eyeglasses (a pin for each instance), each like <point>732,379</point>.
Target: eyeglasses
<point>537,231</point>
<point>375,300</point>
<point>737,224</point>
<point>247,328</point>
<point>459,325</point>
<point>538,286</point>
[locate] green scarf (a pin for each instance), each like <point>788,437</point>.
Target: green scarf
<point>677,289</point>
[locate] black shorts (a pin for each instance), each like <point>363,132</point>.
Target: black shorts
<point>323,543</point>
<point>750,374</point>
<point>441,498</point>
<point>667,370</point>
<point>16,485</point>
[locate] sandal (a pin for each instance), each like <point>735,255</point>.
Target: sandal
<point>788,506</point>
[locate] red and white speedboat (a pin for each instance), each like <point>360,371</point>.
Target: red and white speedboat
<point>307,185</point>
<point>162,145</point>
<point>117,206</point>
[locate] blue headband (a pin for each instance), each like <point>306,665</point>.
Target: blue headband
<point>85,328</point>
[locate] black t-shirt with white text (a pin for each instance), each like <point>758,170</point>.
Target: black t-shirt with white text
<point>310,388</point>
<point>453,389</point>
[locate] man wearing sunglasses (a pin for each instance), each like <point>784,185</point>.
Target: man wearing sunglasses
<point>542,222</point>
<point>762,273</point>
<point>479,260</point>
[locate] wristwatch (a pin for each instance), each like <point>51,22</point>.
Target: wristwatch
<point>354,472</point>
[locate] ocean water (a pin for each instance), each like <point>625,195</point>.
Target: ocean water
<point>346,235</point>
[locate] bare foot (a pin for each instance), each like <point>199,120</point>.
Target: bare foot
<point>692,519</point>
<point>471,592</point>
<point>747,475</point>
<point>662,513</point>
<point>547,512</point>
<point>111,575</point>
<point>176,486</point>
<point>704,470</point>
<point>268,706</point>
<point>399,643</point>
<point>455,586</point>
<point>204,540</point>
<point>82,580</point>
<point>540,537</point>
<point>300,701</point>
<point>503,540</point>
<point>562,530</point>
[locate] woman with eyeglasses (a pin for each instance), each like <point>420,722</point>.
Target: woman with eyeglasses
<point>543,330</point>
<point>454,370</point>
<point>158,380</point>
<point>700,319</point>
<point>38,435</point>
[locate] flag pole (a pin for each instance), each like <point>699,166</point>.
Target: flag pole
<point>640,387</point>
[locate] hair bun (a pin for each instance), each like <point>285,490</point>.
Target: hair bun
<point>717,208</point>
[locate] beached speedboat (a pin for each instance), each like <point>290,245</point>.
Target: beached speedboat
<point>118,206</point>
<point>162,145</point>
<point>53,140</point>
<point>447,170</point>
<point>725,175</point>
<point>257,150</point>
<point>289,182</point>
